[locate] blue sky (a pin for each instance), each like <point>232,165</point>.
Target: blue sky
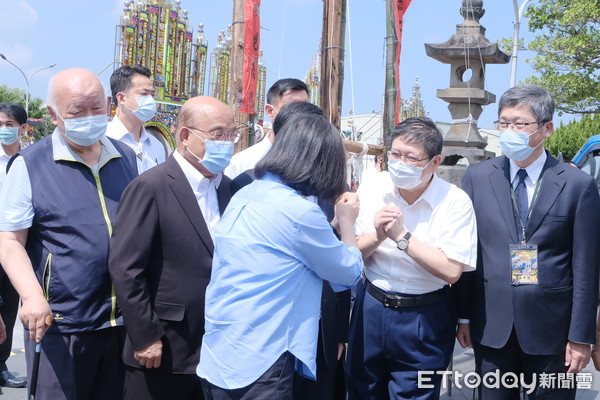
<point>81,33</point>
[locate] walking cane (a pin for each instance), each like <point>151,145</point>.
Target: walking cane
<point>36,364</point>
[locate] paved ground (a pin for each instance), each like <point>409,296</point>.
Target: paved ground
<point>463,363</point>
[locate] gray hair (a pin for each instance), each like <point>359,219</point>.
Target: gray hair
<point>50,98</point>
<point>539,100</point>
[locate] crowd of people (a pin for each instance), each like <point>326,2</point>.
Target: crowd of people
<point>202,274</point>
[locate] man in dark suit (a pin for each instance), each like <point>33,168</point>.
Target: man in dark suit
<point>531,303</point>
<point>162,253</point>
<point>335,307</point>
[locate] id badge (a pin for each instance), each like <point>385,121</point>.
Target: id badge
<point>524,264</point>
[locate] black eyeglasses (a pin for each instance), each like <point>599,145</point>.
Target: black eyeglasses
<point>408,159</point>
<point>516,125</point>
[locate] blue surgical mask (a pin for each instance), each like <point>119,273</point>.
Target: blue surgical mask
<point>9,135</point>
<point>405,176</point>
<point>217,154</point>
<point>515,145</point>
<point>85,131</point>
<point>146,108</point>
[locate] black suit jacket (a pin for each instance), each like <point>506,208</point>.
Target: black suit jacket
<point>565,225</point>
<point>335,307</point>
<point>160,263</point>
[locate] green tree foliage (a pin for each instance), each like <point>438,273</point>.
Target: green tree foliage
<point>37,110</point>
<point>569,138</point>
<point>568,52</point>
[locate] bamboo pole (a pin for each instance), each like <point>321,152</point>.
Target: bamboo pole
<point>332,59</point>
<point>357,147</point>
<point>237,72</point>
<point>390,77</point>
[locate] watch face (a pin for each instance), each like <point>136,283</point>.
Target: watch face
<point>402,244</point>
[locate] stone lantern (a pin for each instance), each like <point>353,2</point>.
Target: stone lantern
<point>468,52</point>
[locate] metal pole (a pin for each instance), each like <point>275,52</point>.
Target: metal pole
<point>27,80</point>
<point>515,49</point>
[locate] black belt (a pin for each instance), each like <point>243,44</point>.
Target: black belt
<point>396,301</point>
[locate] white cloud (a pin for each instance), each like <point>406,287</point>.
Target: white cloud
<point>18,25</point>
<point>17,53</point>
<point>18,18</point>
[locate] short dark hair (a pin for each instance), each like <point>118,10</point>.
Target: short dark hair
<point>120,80</point>
<point>14,111</point>
<point>539,100</point>
<point>308,155</point>
<point>283,86</point>
<point>297,107</point>
<point>420,130</point>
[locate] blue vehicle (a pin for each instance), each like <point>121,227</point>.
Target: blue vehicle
<point>587,158</point>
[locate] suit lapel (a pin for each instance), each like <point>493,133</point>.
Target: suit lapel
<point>550,187</point>
<point>185,196</point>
<point>500,181</point>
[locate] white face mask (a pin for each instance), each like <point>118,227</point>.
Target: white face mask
<point>85,131</point>
<point>406,176</point>
<point>9,134</point>
<point>146,108</point>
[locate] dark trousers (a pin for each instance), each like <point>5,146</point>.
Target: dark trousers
<point>147,384</point>
<point>8,311</point>
<point>388,347</point>
<point>275,384</point>
<point>330,383</point>
<point>79,366</point>
<point>511,358</point>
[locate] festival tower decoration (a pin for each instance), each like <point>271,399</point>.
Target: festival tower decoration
<point>313,79</point>
<point>157,34</point>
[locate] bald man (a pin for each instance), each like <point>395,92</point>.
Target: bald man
<point>59,200</point>
<point>162,250</point>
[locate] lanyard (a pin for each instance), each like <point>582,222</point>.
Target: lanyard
<point>516,207</point>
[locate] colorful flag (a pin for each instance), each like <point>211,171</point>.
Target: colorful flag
<point>251,52</point>
<point>400,7</point>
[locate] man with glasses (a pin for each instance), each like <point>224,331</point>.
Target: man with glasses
<point>417,235</point>
<point>133,94</point>
<point>530,306</point>
<point>162,249</point>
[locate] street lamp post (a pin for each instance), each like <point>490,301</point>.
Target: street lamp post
<point>515,48</point>
<point>27,80</point>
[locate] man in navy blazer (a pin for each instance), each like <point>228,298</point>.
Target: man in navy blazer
<point>530,306</point>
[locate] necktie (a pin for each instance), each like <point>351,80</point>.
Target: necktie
<point>521,195</point>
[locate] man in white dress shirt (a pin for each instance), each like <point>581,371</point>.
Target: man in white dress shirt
<point>283,92</point>
<point>133,91</point>
<point>417,234</point>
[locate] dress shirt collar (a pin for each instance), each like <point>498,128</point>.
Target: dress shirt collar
<point>62,151</point>
<point>117,130</point>
<point>3,154</point>
<point>429,196</point>
<point>533,170</point>
<point>192,174</point>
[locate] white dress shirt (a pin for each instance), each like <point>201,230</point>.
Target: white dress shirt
<point>533,175</point>
<point>149,150</point>
<point>4,158</point>
<point>248,158</point>
<point>205,190</point>
<point>443,217</point>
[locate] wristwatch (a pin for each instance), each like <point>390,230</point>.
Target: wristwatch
<point>402,244</point>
